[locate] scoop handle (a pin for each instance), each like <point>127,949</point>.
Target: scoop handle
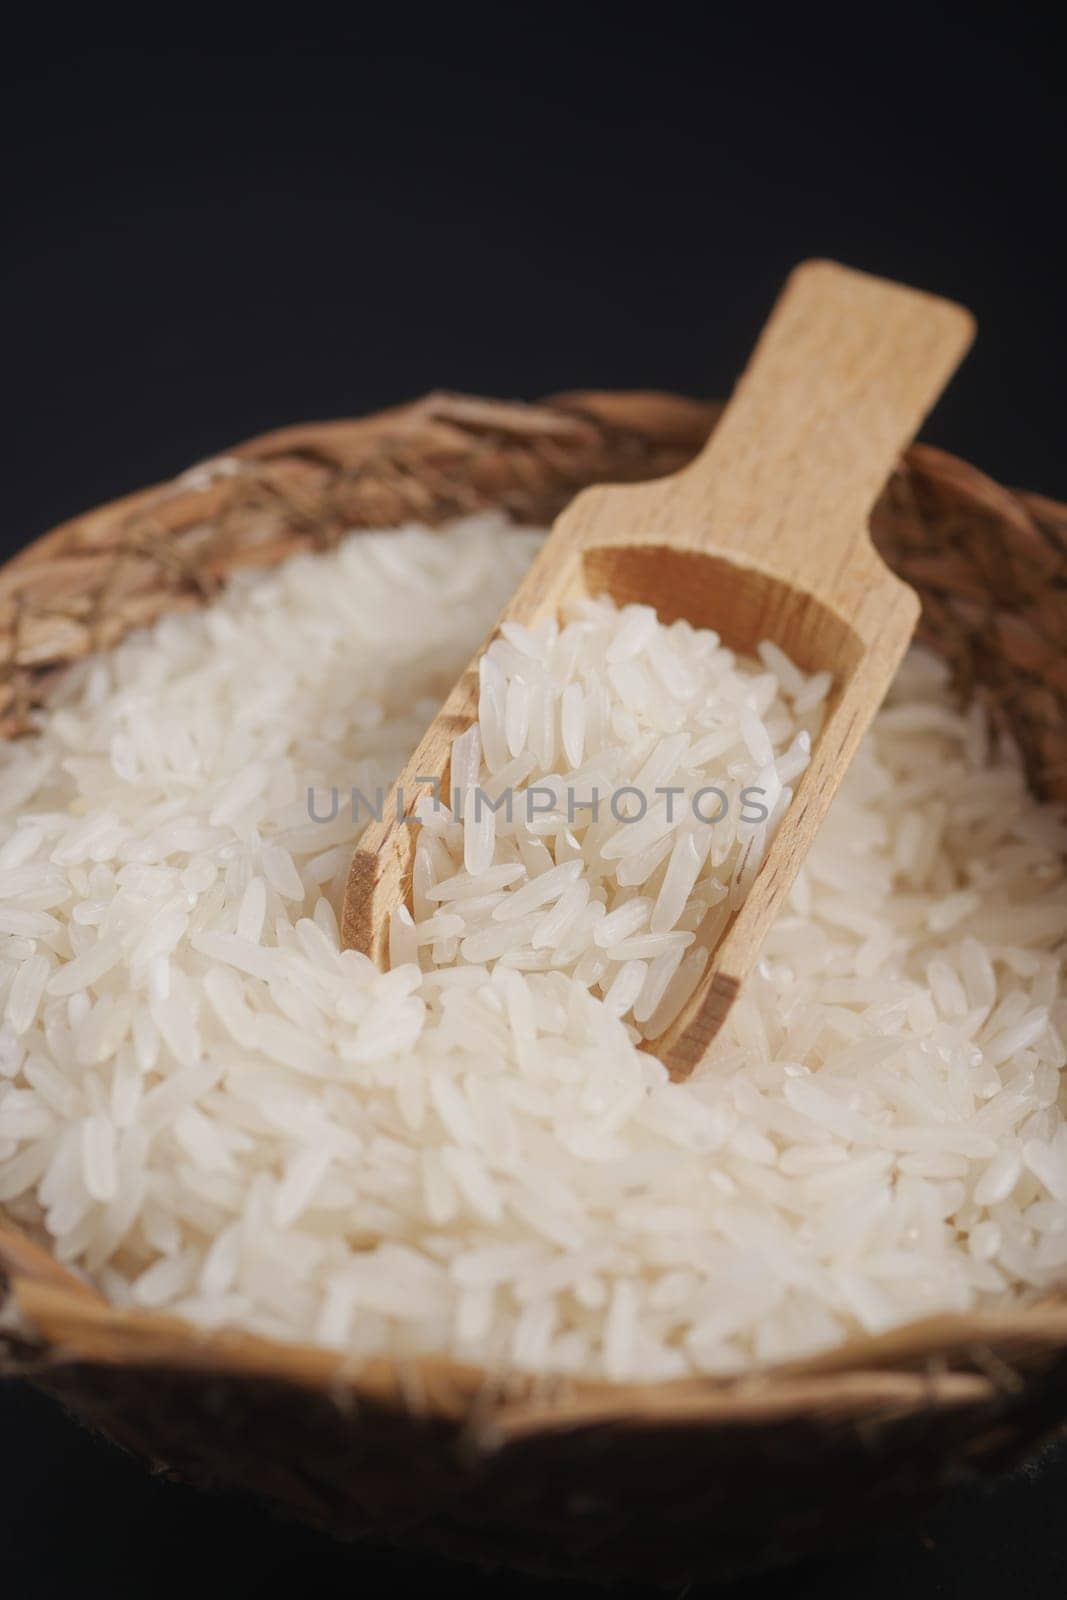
<point>839,382</point>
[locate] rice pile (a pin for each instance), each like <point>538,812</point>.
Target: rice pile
<point>206,1106</point>
<point>611,806</point>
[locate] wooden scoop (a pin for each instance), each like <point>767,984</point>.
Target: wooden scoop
<point>763,536</point>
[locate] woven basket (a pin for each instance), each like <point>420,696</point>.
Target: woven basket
<point>664,1482</point>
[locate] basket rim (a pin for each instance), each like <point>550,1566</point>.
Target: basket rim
<point>53,1317</point>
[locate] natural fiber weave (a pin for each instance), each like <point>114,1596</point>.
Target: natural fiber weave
<point>668,1482</point>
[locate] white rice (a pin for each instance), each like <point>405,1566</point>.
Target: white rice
<point>625,771</point>
<point>206,1106</point>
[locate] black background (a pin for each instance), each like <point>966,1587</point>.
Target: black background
<point>225,228</point>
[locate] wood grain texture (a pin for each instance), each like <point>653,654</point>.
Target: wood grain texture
<point>763,536</point>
